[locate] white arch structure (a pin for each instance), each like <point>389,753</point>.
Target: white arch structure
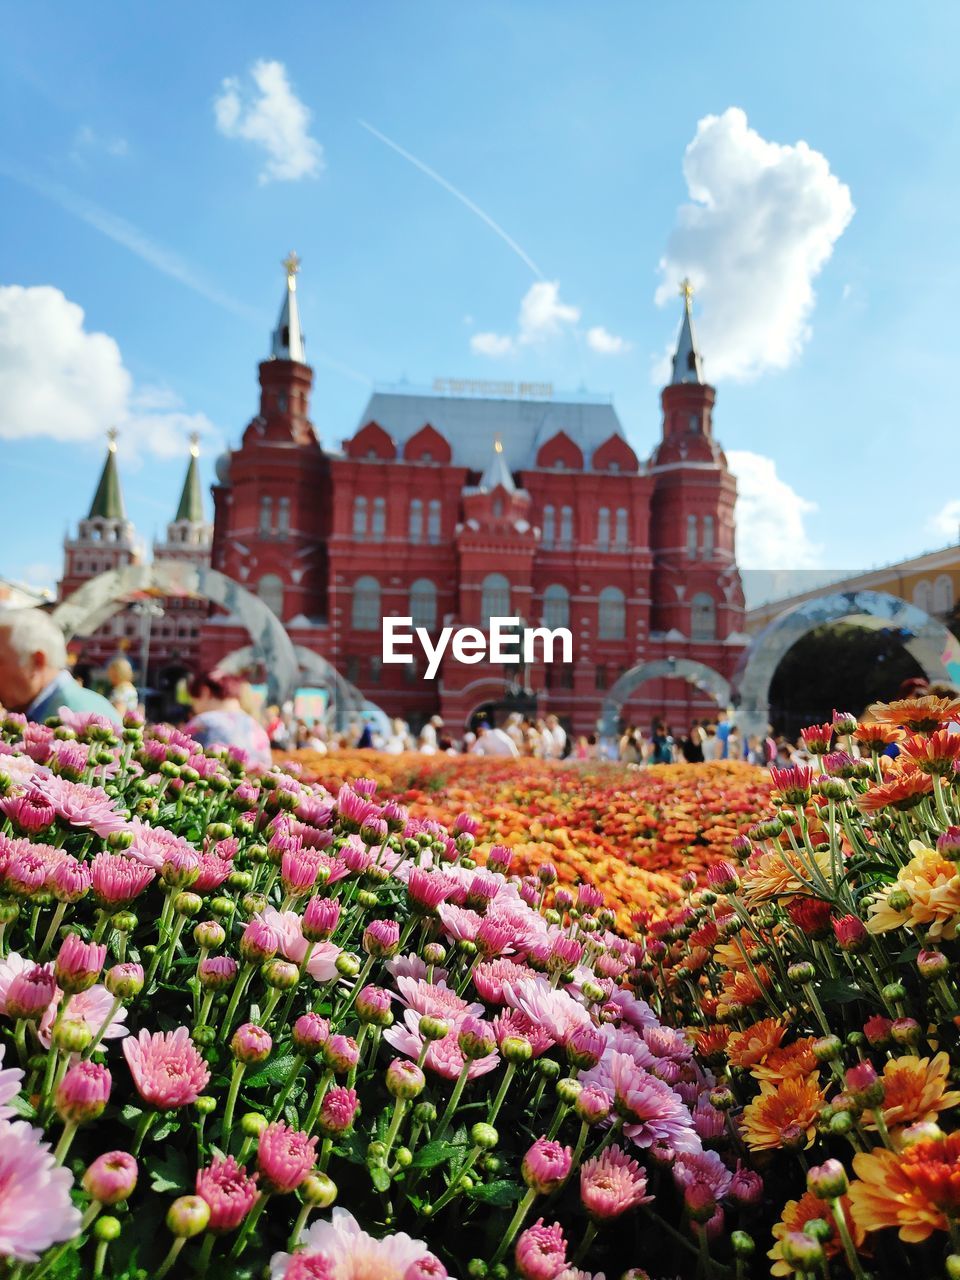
<point>100,598</point>
<point>695,673</point>
<point>935,649</point>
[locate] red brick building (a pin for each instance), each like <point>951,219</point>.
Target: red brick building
<point>452,508</point>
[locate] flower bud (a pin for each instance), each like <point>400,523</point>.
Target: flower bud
<point>310,1033</point>
<point>111,1178</point>
<point>828,1181</point>
<point>475,1038</point>
<point>188,1216</point>
<point>107,1228</point>
<point>743,1244</point>
<point>433,1028</point>
<point>484,1136</point>
<point>800,1251</point>
<point>568,1090</point>
<point>851,934</point>
<point>932,965</point>
<point>906,1032</point>
<point>205,1104</point>
<point>546,1166</point>
<point>340,1053</point>
<point>251,1044</point>
<point>280,975</point>
<point>373,1005</point>
<point>347,965</point>
<point>209,935</point>
<point>801,972</point>
<point>124,980</point>
<point>83,1093</point>
<point>319,1190</point>
<point>216,973</point>
<point>405,1079</point>
<point>71,1036</point>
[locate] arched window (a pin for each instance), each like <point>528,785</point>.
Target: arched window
<point>943,594</point>
<point>266,514</point>
<point>566,526</point>
<point>423,604</point>
<point>692,536</point>
<point>270,591</point>
<point>433,520</point>
<point>603,527</point>
<point>497,508</point>
<point>621,534</point>
<point>379,517</point>
<point>416,520</point>
<point>612,622</point>
<point>923,596</point>
<point>359,517</point>
<point>366,604</point>
<point>556,606</point>
<point>494,598</point>
<point>707,537</point>
<point>283,517</point>
<point>703,617</point>
<point>549,526</point>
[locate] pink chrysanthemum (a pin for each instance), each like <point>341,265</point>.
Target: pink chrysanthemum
<point>490,976</point>
<point>152,845</point>
<point>229,1191</point>
<point>611,1184</point>
<point>285,1156</point>
<point>322,965</point>
<point>556,1011</point>
<point>167,1068</point>
<point>540,1251</point>
<point>511,1022</point>
<point>655,1113</point>
<point>81,806</point>
<point>35,1206</point>
<point>443,1056</point>
<point>117,880</point>
<point>11,1079</point>
<point>702,1169</point>
<point>350,1252</point>
<point>435,998</point>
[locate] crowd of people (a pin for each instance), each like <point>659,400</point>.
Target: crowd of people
<point>35,679</point>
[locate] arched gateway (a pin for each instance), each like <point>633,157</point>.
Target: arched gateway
<point>935,650</point>
<point>697,673</point>
<point>347,703</point>
<point>100,598</point>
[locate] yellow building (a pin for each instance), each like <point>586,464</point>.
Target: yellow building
<point>931,582</point>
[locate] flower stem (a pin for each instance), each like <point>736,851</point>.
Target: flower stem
<point>171,1257</point>
<point>523,1208</point>
<point>453,1103</point>
<point>501,1092</point>
<point>238,1070</point>
<point>55,924</point>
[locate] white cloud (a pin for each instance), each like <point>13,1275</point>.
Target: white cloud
<point>771,517</point>
<point>61,381</point>
<point>762,222</point>
<point>946,523</point>
<point>543,315</point>
<point>272,117</point>
<point>88,140</point>
<point>606,343</point>
<point>491,344</point>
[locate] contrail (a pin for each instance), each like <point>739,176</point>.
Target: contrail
<point>156,255</point>
<point>454,191</point>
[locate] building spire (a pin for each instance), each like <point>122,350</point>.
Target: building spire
<point>108,500</point>
<point>288,336</point>
<point>191,499</point>
<point>497,473</point>
<point>687,366</point>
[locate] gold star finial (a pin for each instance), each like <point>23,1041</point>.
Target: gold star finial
<point>112,439</point>
<point>194,444</point>
<point>686,291</point>
<point>498,445</point>
<point>291,264</point>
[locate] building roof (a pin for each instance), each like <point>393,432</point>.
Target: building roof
<point>472,425</point>
<point>191,499</point>
<point>687,364</point>
<point>288,336</point>
<point>108,500</point>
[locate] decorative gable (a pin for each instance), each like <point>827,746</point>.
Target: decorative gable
<point>371,442</point>
<point>560,451</point>
<point>427,445</point>
<point>615,455</point>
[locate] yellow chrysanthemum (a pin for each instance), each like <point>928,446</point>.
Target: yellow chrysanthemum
<point>932,884</point>
<point>914,1090</point>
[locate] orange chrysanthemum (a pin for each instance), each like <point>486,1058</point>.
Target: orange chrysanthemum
<point>920,715</point>
<point>933,887</point>
<point>745,989</point>
<point>712,1043</point>
<point>776,875</point>
<point>876,737</point>
<point>934,754</point>
<point>904,790</point>
<point>796,1214</point>
<point>784,1114</point>
<point>754,1045</point>
<point>915,1089</point>
<point>788,1061</point>
<point>915,1191</point>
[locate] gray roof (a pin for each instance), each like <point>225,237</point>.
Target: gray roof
<point>687,365</point>
<point>473,424</point>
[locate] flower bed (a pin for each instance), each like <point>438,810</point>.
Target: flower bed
<point>251,1026</point>
<point>633,831</point>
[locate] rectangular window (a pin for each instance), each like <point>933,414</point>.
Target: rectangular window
<point>600,678</point>
<point>707,537</point>
<point>692,537</point>
<point>376,669</point>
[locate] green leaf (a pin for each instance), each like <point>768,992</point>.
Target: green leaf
<point>276,1072</point>
<point>500,1193</point>
<point>380,1177</point>
<point>839,991</point>
<point>438,1152</point>
<point>170,1174</point>
<point>131,1113</point>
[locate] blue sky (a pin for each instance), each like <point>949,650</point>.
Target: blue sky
<point>156,166</point>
